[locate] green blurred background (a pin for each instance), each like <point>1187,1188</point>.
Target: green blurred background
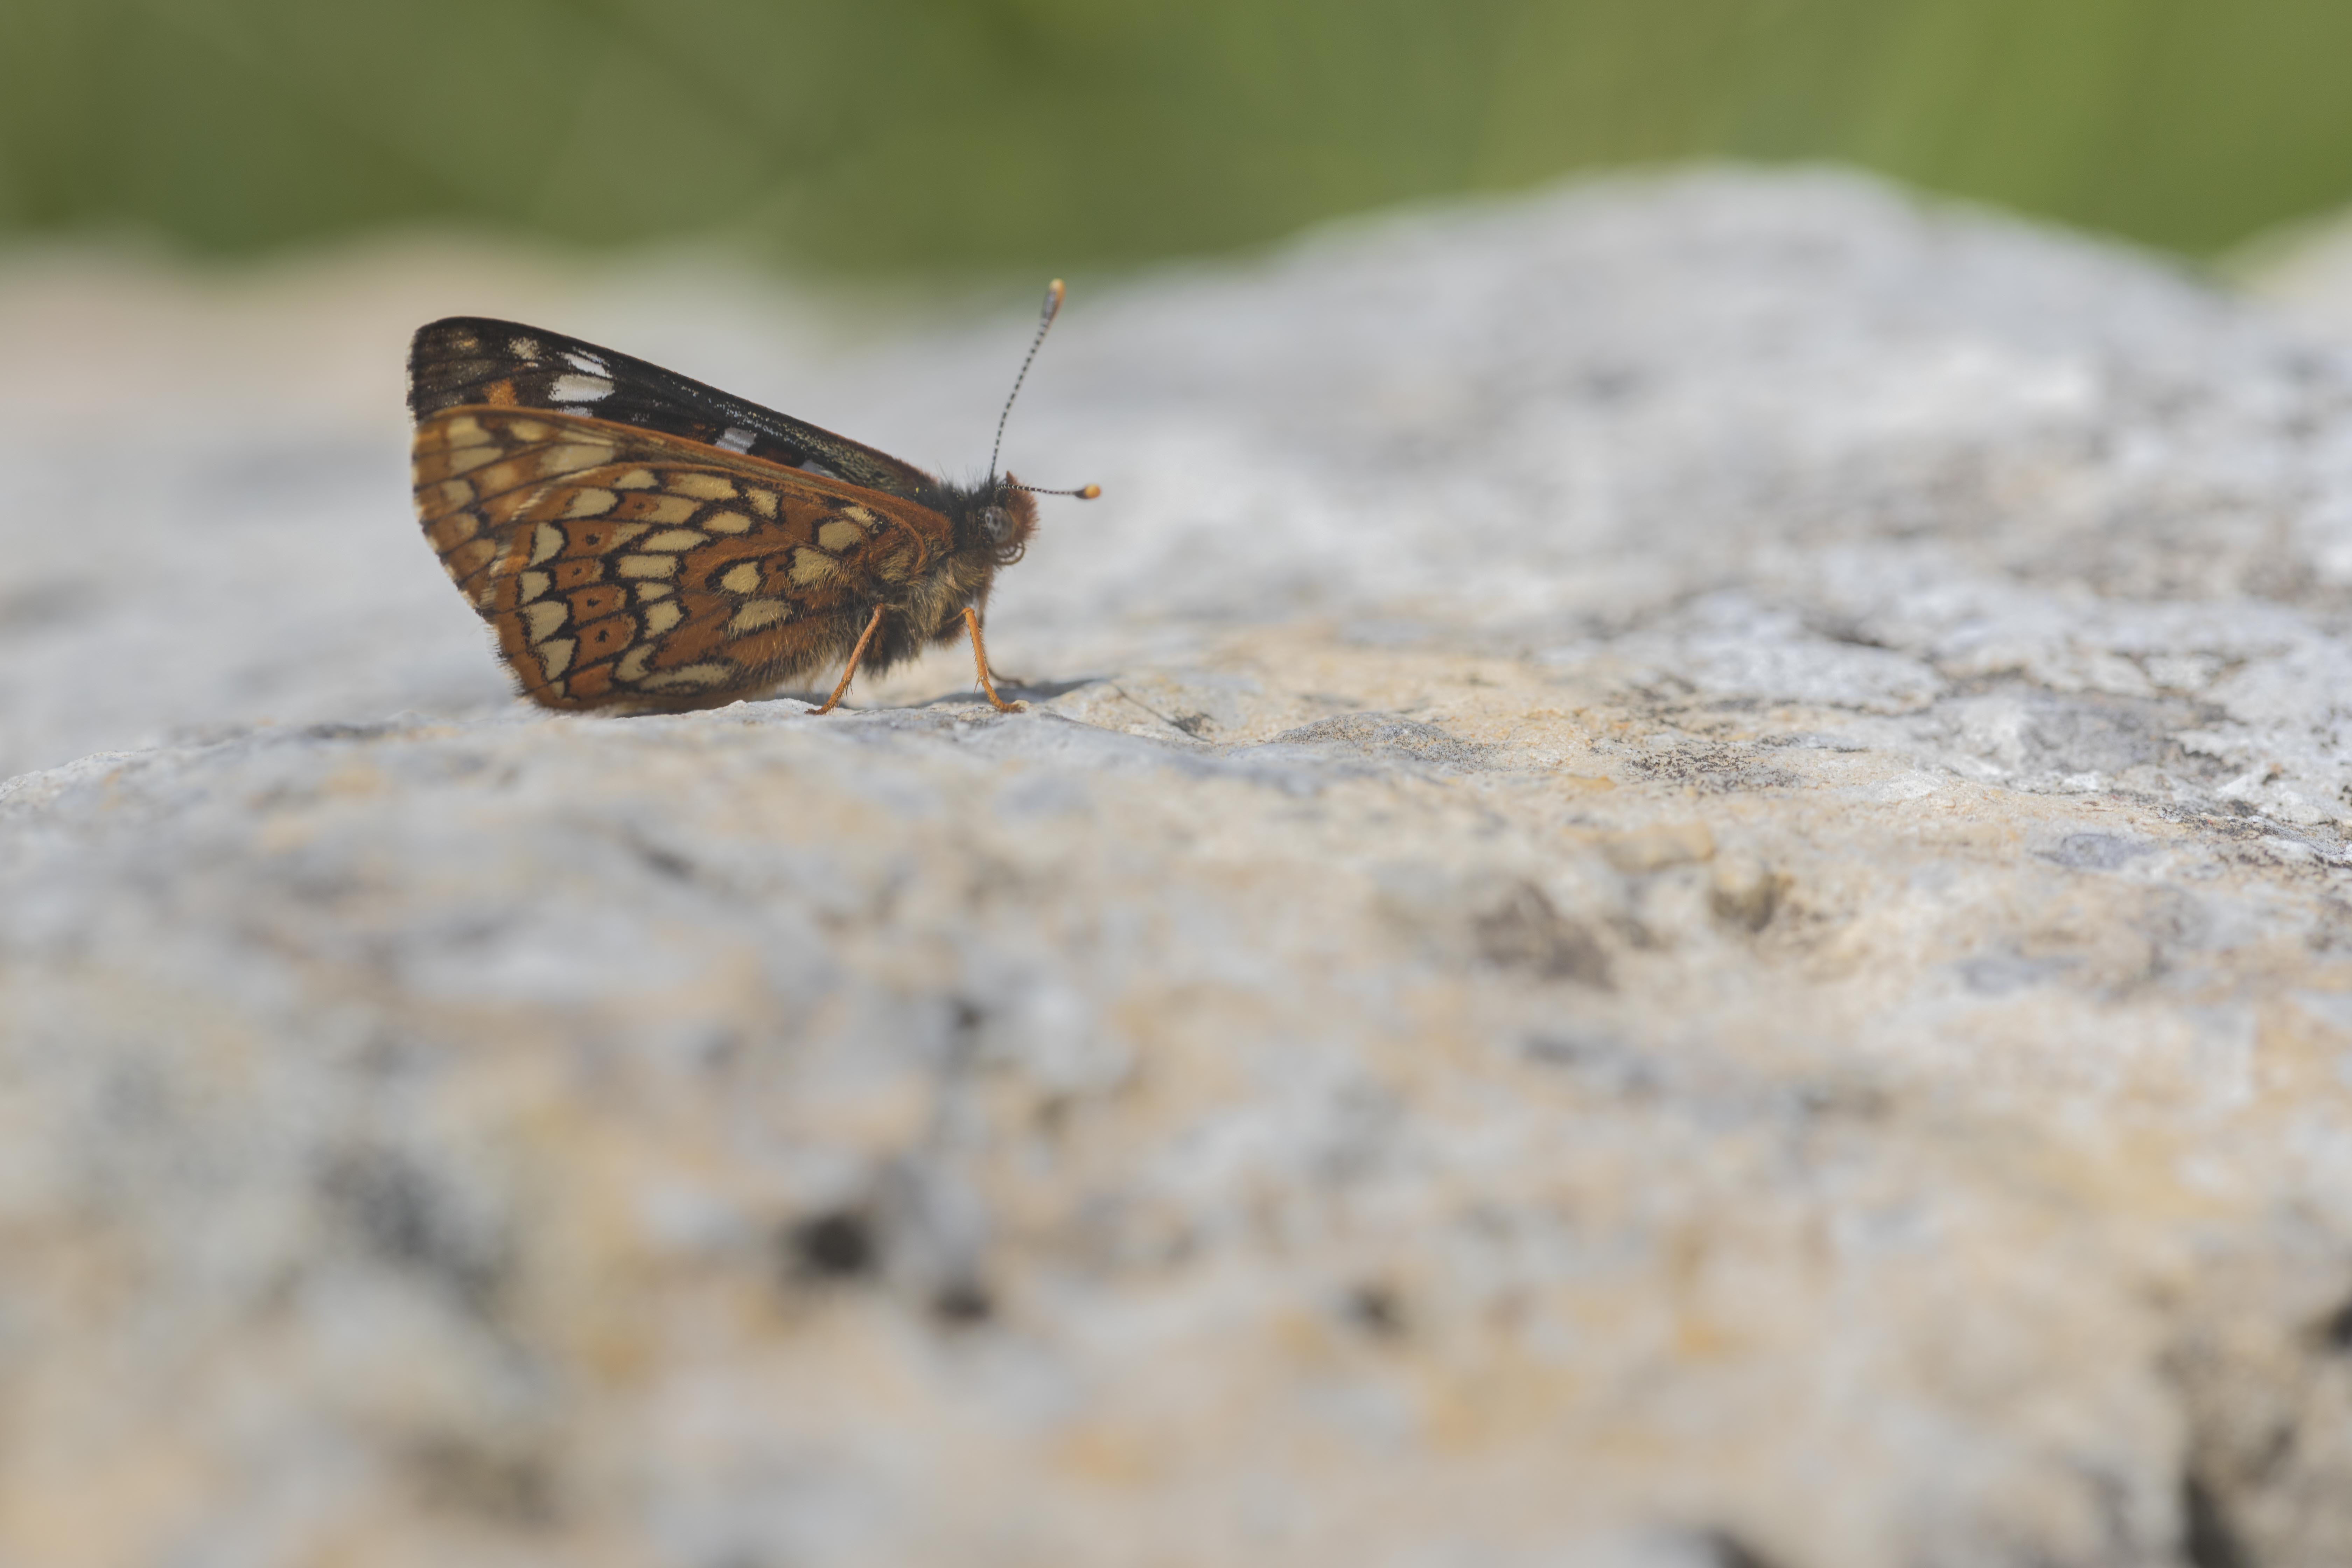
<point>918,136</point>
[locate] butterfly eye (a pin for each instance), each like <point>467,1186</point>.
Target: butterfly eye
<point>995,525</point>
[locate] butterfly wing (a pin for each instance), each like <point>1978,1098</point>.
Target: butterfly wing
<point>472,360</point>
<point>622,565</point>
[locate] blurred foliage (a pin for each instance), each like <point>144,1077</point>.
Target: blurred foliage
<point>928,133</point>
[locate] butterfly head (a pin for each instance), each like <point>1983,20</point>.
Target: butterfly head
<point>993,520</point>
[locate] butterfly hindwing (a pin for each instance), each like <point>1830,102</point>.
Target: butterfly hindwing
<point>621,564</point>
<point>465,360</point>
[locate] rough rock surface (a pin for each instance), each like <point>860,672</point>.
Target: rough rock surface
<point>1674,897</point>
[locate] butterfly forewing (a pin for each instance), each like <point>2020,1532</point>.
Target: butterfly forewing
<point>621,564</point>
<point>465,360</point>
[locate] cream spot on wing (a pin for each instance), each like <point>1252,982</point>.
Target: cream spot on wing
<point>556,657</point>
<point>757,614</point>
<point>648,565</point>
<point>812,567</point>
<point>500,478</point>
<point>464,430</point>
<point>730,522</point>
<point>533,584</point>
<point>690,675</point>
<point>763,502</point>
<point>470,556</point>
<point>637,480</point>
<point>523,349</point>
<point>527,430</point>
<point>453,493</point>
<point>667,509</point>
<point>838,535</point>
<point>578,389</point>
<point>660,617</point>
<point>735,439</point>
<point>861,517</point>
<point>674,539</point>
<point>545,617</point>
<point>648,592</point>
<point>571,457</point>
<point>632,666</point>
<point>701,487</point>
<point>465,459</point>
<point>546,543</point>
<point>589,503</point>
<point>741,579</point>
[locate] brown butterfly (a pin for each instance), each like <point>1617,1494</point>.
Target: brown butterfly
<point>641,541</point>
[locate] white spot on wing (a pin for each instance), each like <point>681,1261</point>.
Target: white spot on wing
<point>588,362</point>
<point>578,389</point>
<point>736,440</point>
<point>524,349</point>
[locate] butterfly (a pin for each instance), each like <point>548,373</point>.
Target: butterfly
<point>641,541</point>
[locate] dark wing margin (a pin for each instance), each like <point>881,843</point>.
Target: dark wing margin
<point>474,360</point>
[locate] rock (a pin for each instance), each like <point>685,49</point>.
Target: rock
<point>1675,894</point>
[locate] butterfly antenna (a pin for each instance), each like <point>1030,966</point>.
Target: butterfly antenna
<point>1046,319</point>
<point>1084,492</point>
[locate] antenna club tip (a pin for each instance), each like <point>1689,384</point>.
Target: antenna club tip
<point>1089,492</point>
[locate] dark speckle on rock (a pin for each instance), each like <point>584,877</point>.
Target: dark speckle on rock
<point>962,1303</point>
<point>1377,1308</point>
<point>1522,931</point>
<point>405,1213</point>
<point>837,1245</point>
<point>1725,1548</point>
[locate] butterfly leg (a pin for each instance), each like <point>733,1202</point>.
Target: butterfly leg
<point>979,662</point>
<point>854,655</point>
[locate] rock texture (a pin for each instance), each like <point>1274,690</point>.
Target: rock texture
<point>1675,896</point>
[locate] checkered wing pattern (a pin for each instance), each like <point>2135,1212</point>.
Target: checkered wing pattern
<point>622,566</point>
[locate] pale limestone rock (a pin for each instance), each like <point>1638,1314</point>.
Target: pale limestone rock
<point>1674,897</point>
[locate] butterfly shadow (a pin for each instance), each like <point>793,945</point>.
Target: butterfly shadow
<point>1012,690</point>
